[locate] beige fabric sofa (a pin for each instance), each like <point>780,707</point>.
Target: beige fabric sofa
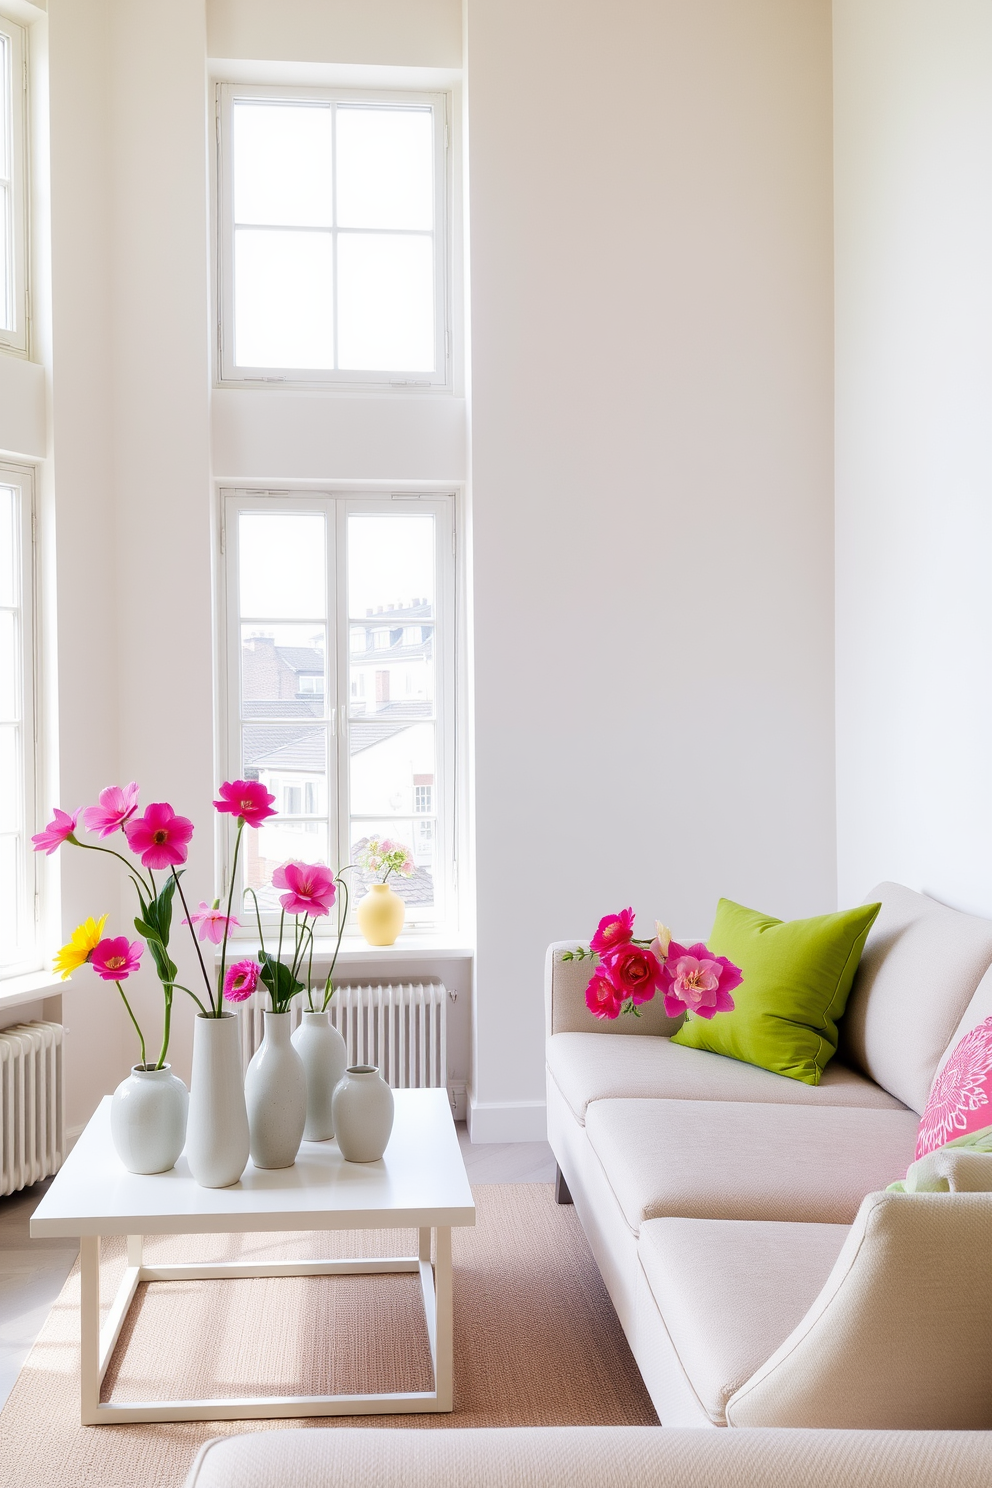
<point>760,1273</point>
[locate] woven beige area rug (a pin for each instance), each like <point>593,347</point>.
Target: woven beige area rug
<point>537,1343</point>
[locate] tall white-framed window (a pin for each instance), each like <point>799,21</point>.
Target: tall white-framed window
<point>332,239</point>
<point>19,947</point>
<point>312,581</point>
<point>13,188</point>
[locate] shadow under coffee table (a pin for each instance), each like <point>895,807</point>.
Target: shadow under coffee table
<point>419,1184</point>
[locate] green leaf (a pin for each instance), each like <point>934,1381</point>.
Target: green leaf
<point>281,984</point>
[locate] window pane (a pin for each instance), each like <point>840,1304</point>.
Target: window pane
<point>275,842</point>
<point>282,565</point>
<point>10,780</point>
<point>288,755</point>
<point>283,298</point>
<point>10,896</point>
<point>385,159</point>
<point>282,164</point>
<point>394,680</point>
<point>282,671</point>
<point>385,302</point>
<point>390,567</point>
<point>9,709</point>
<point>8,546</point>
<point>387,761</point>
<point>418,889</point>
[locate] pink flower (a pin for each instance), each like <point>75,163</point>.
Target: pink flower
<point>213,923</point>
<point>694,978</point>
<point>635,973</point>
<point>247,799</point>
<point>57,831</point>
<point>614,930</point>
<point>310,888</point>
<point>114,959</point>
<point>241,980</point>
<point>160,836</point>
<point>116,806</point>
<point>602,998</point>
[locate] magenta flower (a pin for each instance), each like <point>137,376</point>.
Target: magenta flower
<point>57,831</point>
<point>241,980</point>
<point>614,930</point>
<point>602,998</point>
<point>114,959</point>
<point>695,979</point>
<point>117,805</point>
<point>248,799</point>
<point>635,973</point>
<point>160,836</point>
<point>213,923</point>
<point>309,886</point>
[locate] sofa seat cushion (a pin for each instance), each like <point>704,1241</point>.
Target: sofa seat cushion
<point>729,1160</point>
<point>731,1291</point>
<point>586,1067</point>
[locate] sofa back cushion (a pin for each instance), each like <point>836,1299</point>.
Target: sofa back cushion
<point>920,969</point>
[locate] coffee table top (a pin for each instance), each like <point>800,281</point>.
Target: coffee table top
<point>420,1182</point>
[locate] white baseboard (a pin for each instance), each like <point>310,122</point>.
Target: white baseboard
<point>507,1121</point>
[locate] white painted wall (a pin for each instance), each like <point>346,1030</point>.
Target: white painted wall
<point>404,33</point>
<point>651,407</point>
<point>913,107</point>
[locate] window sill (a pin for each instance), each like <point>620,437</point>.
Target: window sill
<point>32,986</point>
<point>419,949</point>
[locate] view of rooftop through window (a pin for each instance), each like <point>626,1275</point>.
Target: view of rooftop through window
<point>337,690</point>
<point>334,235</point>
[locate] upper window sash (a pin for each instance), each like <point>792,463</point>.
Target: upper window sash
<point>323,237</point>
<point>13,188</point>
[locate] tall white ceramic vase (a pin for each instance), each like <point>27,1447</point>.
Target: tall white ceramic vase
<point>325,1058</point>
<point>363,1114</point>
<point>148,1119</point>
<point>276,1095</point>
<point>217,1131</point>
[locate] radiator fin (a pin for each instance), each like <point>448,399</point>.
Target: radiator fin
<point>32,1118</point>
<point>397,1026</point>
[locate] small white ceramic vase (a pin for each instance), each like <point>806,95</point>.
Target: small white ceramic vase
<point>148,1119</point>
<point>276,1096</point>
<point>362,1104</point>
<point>325,1058</point>
<point>217,1132</point>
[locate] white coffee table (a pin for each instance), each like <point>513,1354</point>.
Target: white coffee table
<point>419,1184</point>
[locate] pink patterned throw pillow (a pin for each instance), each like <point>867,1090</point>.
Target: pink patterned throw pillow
<point>960,1099</point>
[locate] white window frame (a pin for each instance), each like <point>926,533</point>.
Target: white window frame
<point>338,505</point>
<point>386,379</point>
<point>14,188</point>
<point>26,956</point>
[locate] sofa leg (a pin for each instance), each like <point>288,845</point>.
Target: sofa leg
<point>562,1195</point>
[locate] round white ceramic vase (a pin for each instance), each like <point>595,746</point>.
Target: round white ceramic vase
<point>276,1096</point>
<point>217,1132</point>
<point>362,1104</point>
<point>325,1058</point>
<point>148,1119</point>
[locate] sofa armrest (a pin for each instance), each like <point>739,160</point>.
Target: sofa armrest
<point>565,985</point>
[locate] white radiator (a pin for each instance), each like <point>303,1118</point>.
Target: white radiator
<point>397,1026</point>
<point>32,1120</point>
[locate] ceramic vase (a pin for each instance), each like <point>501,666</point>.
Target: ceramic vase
<point>148,1119</point>
<point>217,1132</point>
<point>325,1058</point>
<point>276,1096</point>
<point>363,1114</point>
<point>380,915</point>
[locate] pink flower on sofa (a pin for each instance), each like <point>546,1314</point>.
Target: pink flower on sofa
<point>117,805</point>
<point>960,1099</point>
<point>613,931</point>
<point>309,888</point>
<point>695,979</point>
<point>160,836</point>
<point>635,972</point>
<point>59,830</point>
<point>602,998</point>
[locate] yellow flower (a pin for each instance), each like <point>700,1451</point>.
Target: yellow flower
<point>85,938</point>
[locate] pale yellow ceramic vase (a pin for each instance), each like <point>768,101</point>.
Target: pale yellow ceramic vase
<point>380,915</point>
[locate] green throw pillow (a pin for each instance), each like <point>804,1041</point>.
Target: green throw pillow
<point>797,977</point>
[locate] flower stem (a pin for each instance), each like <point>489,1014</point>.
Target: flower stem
<point>92,847</point>
<point>141,1036</point>
<point>190,993</point>
<point>342,921</point>
<point>166,1026</point>
<point>310,974</point>
<point>192,931</point>
<point>258,920</point>
<point>227,928</point>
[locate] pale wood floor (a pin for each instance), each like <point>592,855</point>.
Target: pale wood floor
<point>33,1272</point>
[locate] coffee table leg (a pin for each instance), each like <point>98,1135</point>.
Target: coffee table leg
<point>442,1294</point>
<point>89,1329</point>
